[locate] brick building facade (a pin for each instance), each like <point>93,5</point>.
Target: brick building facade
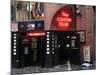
<point>85,21</point>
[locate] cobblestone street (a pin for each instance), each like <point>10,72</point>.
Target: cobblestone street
<point>38,69</point>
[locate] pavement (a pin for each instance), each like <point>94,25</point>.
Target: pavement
<point>39,69</point>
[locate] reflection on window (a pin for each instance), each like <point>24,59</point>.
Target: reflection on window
<point>28,10</point>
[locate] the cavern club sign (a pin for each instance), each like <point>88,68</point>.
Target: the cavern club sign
<point>63,19</point>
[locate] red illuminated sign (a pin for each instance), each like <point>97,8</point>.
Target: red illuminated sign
<point>63,19</point>
<point>36,34</point>
<point>64,14</point>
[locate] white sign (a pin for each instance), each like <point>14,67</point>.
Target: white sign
<point>86,53</point>
<point>14,27</point>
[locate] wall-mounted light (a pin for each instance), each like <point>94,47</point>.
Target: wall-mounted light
<point>53,52</point>
<point>14,40</point>
<point>14,37</point>
<point>47,35</point>
<point>14,43</point>
<point>14,46</point>
<point>68,36</point>
<point>14,50</point>
<point>47,52</point>
<point>48,32</point>
<point>14,53</point>
<point>78,11</point>
<point>48,49</point>
<point>67,45</point>
<point>47,42</point>
<point>47,45</point>
<point>48,39</point>
<point>14,34</point>
<point>52,48</point>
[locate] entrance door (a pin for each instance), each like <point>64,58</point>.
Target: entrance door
<point>38,47</point>
<point>64,48</point>
<point>32,50</point>
<point>75,49</point>
<point>68,47</point>
<point>25,51</point>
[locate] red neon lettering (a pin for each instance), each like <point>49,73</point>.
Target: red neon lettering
<point>65,14</point>
<point>59,19</point>
<point>69,19</point>
<point>36,34</point>
<point>63,24</point>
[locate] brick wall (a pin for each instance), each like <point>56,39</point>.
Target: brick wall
<point>84,22</point>
<point>50,11</point>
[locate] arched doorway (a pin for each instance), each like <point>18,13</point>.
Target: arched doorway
<point>64,19</point>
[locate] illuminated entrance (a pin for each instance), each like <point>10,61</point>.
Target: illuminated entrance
<point>60,49</point>
<point>30,48</point>
<point>46,49</point>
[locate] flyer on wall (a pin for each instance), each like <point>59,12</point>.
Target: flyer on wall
<point>52,37</point>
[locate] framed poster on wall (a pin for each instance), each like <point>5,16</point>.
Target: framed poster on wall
<point>82,35</point>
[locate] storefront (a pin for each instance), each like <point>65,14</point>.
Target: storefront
<point>40,38</point>
<point>46,48</point>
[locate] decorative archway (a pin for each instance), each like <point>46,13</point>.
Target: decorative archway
<point>64,19</point>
